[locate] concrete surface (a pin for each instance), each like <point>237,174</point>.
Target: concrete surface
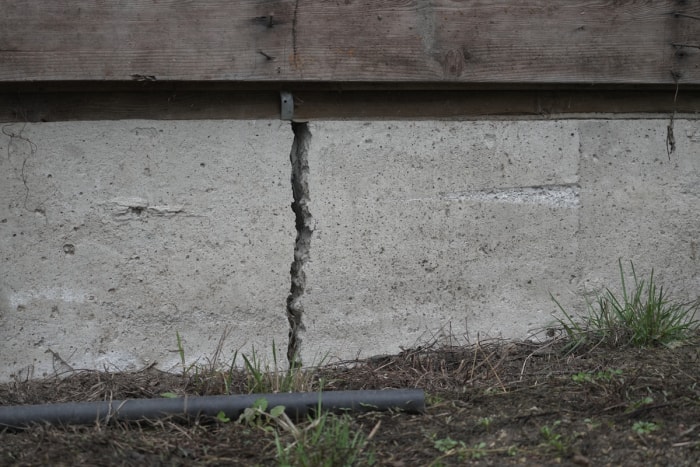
<point>427,230</point>
<point>115,235</point>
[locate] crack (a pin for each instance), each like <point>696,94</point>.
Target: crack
<point>304,225</point>
<point>295,52</point>
<point>294,29</point>
<point>670,139</point>
<point>7,131</point>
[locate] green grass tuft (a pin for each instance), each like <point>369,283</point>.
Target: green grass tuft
<point>328,440</point>
<point>259,375</point>
<point>643,316</point>
<point>262,378</point>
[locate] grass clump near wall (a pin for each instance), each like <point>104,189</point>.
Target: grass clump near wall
<point>643,316</point>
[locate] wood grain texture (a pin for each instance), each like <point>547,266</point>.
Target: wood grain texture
<point>420,42</point>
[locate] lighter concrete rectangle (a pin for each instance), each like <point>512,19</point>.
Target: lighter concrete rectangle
<point>425,226</point>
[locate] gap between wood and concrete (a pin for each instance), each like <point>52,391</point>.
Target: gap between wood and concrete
<point>191,101</point>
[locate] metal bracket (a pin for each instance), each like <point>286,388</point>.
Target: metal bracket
<point>287,105</point>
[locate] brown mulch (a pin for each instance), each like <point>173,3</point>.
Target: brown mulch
<point>489,403</point>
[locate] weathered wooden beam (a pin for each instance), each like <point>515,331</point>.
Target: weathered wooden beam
<point>189,104</point>
<point>366,42</point>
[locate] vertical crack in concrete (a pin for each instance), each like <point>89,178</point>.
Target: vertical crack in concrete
<point>304,226</point>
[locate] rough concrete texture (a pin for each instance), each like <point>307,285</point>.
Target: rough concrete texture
<point>115,235</point>
<point>640,204</point>
<point>437,229</point>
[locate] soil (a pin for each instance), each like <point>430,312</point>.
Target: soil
<point>488,403</point>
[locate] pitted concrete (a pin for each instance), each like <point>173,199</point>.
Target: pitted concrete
<point>438,227</point>
<point>116,235</point>
<point>431,230</point>
<point>640,204</point>
<point>128,232</point>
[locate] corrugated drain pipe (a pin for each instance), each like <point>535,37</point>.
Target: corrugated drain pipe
<point>297,406</point>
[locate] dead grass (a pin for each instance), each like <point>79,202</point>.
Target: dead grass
<point>492,402</point>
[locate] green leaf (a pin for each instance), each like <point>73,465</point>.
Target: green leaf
<point>260,404</point>
<point>169,395</point>
<point>277,411</point>
<point>221,416</point>
<point>446,444</point>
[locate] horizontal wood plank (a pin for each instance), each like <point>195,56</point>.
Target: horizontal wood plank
<point>420,42</point>
<point>324,105</point>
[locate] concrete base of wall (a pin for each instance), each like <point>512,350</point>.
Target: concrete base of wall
<point>115,236</point>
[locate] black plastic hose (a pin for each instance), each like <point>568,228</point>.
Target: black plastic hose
<point>297,406</point>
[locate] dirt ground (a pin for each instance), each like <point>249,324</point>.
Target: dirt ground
<point>488,403</point>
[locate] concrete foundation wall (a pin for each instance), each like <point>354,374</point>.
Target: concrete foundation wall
<point>116,235</point>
